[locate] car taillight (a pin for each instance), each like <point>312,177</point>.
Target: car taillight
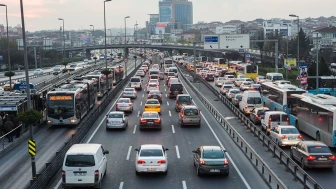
<point>332,158</point>
<point>143,120</point>
<point>310,158</point>
<point>141,162</point>
<point>96,175</point>
<point>226,162</point>
<point>63,175</point>
<point>129,104</point>
<point>283,136</point>
<point>134,92</point>
<point>149,96</point>
<point>257,116</point>
<point>300,136</point>
<point>124,92</point>
<point>117,105</point>
<point>122,121</point>
<point>162,161</point>
<point>107,121</point>
<point>157,121</point>
<point>202,162</point>
<point>246,106</point>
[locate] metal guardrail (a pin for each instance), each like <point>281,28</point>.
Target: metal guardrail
<point>284,159</point>
<point>52,168</point>
<point>264,170</point>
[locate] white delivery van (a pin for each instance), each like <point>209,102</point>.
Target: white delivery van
<point>272,119</point>
<point>274,76</point>
<point>250,100</point>
<point>84,165</point>
<point>136,83</point>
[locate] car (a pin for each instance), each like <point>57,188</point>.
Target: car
<point>2,91</point>
<point>175,89</point>
<point>38,71</point>
<point>152,86</point>
<point>189,115</point>
<point>154,76</point>
<point>140,73</point>
<point>150,120</point>
<point>209,77</point>
<point>161,75</point>
<point>236,99</point>
<point>246,85</point>
<point>86,60</point>
<point>129,93</point>
<point>259,79</point>
<point>255,87</point>
<point>136,82</point>
<point>154,81</point>
<point>57,70</point>
<point>231,93</point>
<point>257,114</point>
<point>116,119</point>
<point>151,158</point>
<point>238,82</point>
<point>153,105</point>
<point>226,87</point>
<point>285,135</point>
<point>182,100</point>
<point>313,154</point>
<point>7,87</point>
<point>172,80</point>
<point>145,68</point>
<point>155,94</point>
<point>211,160</point>
<point>169,75</point>
<point>124,104</point>
<point>219,81</point>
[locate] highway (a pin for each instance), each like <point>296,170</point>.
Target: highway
<point>324,177</point>
<point>15,166</point>
<point>180,141</point>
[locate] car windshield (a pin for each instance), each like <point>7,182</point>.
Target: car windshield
<point>235,91</point>
<point>129,89</point>
<point>289,131</point>
<point>151,152</point>
<point>114,115</point>
<point>213,154</point>
<point>150,115</point>
<point>190,111</point>
<point>171,74</point>
<point>227,86</point>
<point>152,102</point>
<point>318,149</point>
<point>136,79</point>
<point>123,101</point>
<point>80,161</point>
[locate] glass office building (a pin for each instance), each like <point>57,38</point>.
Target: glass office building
<point>183,12</point>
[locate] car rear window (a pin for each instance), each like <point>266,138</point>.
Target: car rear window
<point>277,117</point>
<point>190,111</point>
<point>176,87</point>
<point>129,89</point>
<point>152,102</point>
<point>254,100</point>
<point>213,154</point>
<point>115,116</point>
<point>318,149</point>
<point>234,91</point>
<point>184,99</point>
<point>135,80</point>
<point>80,161</point>
<point>154,72</point>
<point>289,131</point>
<point>152,85</point>
<point>227,86</point>
<point>150,115</point>
<point>123,101</point>
<point>171,73</point>
<point>151,152</point>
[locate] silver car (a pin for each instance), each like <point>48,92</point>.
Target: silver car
<point>129,93</point>
<point>219,81</point>
<point>236,99</point>
<point>231,93</point>
<point>161,75</point>
<point>190,115</point>
<point>285,135</point>
<point>116,120</point>
<point>124,104</point>
<point>140,73</point>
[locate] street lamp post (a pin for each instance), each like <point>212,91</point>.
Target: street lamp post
<point>317,62</point>
<point>135,31</point>
<point>287,50</point>
<point>125,55</point>
<point>298,37</point>
<point>33,163</point>
<point>94,42</point>
<point>63,39</point>
<point>105,44</point>
<point>8,49</point>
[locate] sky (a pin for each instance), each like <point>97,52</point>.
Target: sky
<point>79,14</point>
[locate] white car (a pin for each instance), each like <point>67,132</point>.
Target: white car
<point>152,86</point>
<point>151,158</point>
<point>116,120</point>
<point>219,81</point>
<point>38,72</point>
<point>2,91</point>
<point>154,81</point>
<point>86,60</point>
<point>129,93</point>
<point>140,73</point>
<point>285,135</point>
<point>124,104</point>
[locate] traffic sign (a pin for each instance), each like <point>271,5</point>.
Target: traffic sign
<point>32,147</point>
<point>234,41</point>
<point>211,41</point>
<point>241,50</point>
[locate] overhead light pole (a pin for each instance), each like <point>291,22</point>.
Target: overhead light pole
<point>8,48</point>
<point>25,57</point>
<point>108,85</point>
<point>125,55</point>
<point>63,39</point>
<point>94,43</point>
<point>298,37</point>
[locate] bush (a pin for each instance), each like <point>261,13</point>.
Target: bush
<point>9,74</point>
<point>106,72</point>
<point>30,117</point>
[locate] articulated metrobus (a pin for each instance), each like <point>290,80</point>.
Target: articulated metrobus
<point>69,103</point>
<point>99,83</point>
<point>315,115</point>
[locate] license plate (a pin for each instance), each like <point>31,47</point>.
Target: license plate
<point>214,170</point>
<point>151,169</point>
<point>152,106</point>
<point>150,122</point>
<point>115,121</point>
<point>290,138</point>
<point>322,159</point>
<point>80,174</point>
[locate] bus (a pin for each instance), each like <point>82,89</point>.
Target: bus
<point>167,62</point>
<point>99,82</point>
<point>315,116</point>
<point>117,74</point>
<point>327,85</point>
<point>251,71</point>
<point>277,97</point>
<point>68,104</point>
<point>220,62</point>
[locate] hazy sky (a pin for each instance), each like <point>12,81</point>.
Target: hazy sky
<point>79,14</point>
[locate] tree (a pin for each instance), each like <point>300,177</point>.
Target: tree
<point>304,45</point>
<point>65,64</point>
<point>95,58</point>
<point>30,117</point>
<point>323,68</point>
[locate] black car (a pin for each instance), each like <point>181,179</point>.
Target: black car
<point>155,94</point>
<point>175,89</point>
<point>150,120</point>
<point>209,77</point>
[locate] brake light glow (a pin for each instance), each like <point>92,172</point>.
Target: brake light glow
<point>157,121</point>
<point>107,121</point>
<point>283,136</point>
<point>63,173</point>
<point>141,162</point>
<point>310,158</point>
<point>332,158</point>
<point>129,105</point>
<point>162,161</point>
<point>96,175</point>
<point>143,120</point>
<point>226,162</point>
<point>300,136</point>
<point>202,162</point>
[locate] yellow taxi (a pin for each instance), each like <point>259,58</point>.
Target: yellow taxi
<point>7,87</point>
<point>152,105</point>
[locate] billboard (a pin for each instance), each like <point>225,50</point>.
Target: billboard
<point>165,10</point>
<point>159,30</point>
<point>291,62</point>
<point>303,76</point>
<point>161,24</point>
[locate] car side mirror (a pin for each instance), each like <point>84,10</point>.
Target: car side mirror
<point>106,152</point>
<point>107,115</point>
<point>194,151</point>
<point>166,149</point>
<point>224,151</point>
<point>136,149</point>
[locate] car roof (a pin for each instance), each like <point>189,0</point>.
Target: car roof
<point>83,149</point>
<point>190,106</point>
<point>211,148</point>
<point>314,143</point>
<point>151,146</point>
<point>129,88</point>
<point>155,91</point>
<point>286,126</point>
<point>183,95</point>
<point>275,112</point>
<point>117,112</point>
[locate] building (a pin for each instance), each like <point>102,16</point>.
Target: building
<point>166,11</point>
<point>284,27</point>
<point>326,37</point>
<point>154,18</point>
<point>176,11</point>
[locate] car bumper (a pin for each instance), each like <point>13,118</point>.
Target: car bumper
<point>81,185</point>
<point>320,164</point>
<point>153,109</point>
<point>115,126</point>
<point>191,122</point>
<point>288,142</point>
<point>210,170</point>
<point>150,126</point>
<point>151,169</point>
<point>124,108</point>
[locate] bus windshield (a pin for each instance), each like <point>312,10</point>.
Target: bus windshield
<point>60,108</point>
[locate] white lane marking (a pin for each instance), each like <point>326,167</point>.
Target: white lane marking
<point>165,89</point>
<point>129,152</point>
<point>166,95</point>
<point>164,84</point>
<point>122,185</point>
<point>58,184</point>
<point>177,152</point>
<point>213,132</point>
<point>143,95</point>
<point>135,126</point>
<point>141,103</point>
<point>167,103</point>
<point>173,129</point>
<point>138,114</point>
<point>144,89</point>
<point>169,113</point>
<point>184,184</point>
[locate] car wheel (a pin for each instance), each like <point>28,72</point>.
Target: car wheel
<point>98,185</point>
<point>199,125</point>
<point>160,128</point>
<point>107,129</point>
<point>137,173</point>
<point>303,166</point>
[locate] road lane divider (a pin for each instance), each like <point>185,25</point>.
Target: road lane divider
<point>177,152</point>
<point>129,153</point>
<point>184,185</point>
<point>135,127</point>
<point>173,129</point>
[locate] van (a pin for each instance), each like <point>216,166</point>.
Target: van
<point>175,89</point>
<point>274,76</point>
<point>190,115</point>
<point>136,83</point>
<point>173,69</point>
<point>273,119</point>
<point>182,100</point>
<point>250,100</point>
<point>84,165</point>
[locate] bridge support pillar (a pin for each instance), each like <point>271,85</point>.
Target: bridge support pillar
<point>87,54</point>
<point>126,52</point>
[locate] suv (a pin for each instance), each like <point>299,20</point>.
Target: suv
<point>175,89</point>
<point>190,115</point>
<point>182,100</point>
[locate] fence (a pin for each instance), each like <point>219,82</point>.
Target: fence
<point>52,168</point>
<point>284,159</point>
